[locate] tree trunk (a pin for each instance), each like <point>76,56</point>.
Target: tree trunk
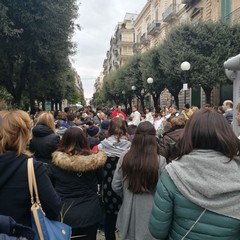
<point>176,100</point>
<point>155,101</point>
<point>43,104</point>
<point>142,103</point>
<point>208,92</point>
<point>16,100</point>
<point>130,105</point>
<point>60,106</point>
<point>52,105</point>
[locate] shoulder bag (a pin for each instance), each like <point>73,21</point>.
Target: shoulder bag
<point>193,224</point>
<point>44,228</point>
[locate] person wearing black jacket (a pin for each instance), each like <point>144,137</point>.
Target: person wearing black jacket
<point>45,140</point>
<point>15,133</point>
<point>76,172</point>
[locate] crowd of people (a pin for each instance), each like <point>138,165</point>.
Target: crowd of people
<point>169,175</point>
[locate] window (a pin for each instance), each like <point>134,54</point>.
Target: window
<point>225,7</point>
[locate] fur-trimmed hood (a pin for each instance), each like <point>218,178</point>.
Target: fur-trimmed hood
<point>79,163</point>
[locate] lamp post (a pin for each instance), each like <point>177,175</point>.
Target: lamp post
<point>125,100</point>
<point>185,66</point>
<point>133,88</point>
<point>150,81</point>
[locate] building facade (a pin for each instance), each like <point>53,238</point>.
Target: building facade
<point>158,17</point>
<point>121,44</point>
<point>139,33</point>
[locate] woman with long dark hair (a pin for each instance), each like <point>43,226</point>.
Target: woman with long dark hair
<point>135,179</point>
<point>198,195</point>
<point>76,170</point>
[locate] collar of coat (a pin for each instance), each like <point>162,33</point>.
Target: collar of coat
<point>79,163</point>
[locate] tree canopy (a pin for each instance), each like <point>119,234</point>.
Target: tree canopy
<point>35,38</point>
<point>205,45</point>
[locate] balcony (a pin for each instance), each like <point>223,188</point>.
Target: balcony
<point>115,52</point>
<point>170,13</point>
<point>232,18</point>
<point>144,39</point>
<point>105,63</point>
<point>136,47</point>
<point>115,63</point>
<point>153,28</point>
<point>113,40</point>
<point>186,1</point>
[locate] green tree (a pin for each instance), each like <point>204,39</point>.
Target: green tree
<point>206,45</point>
<point>38,51</point>
<point>151,67</point>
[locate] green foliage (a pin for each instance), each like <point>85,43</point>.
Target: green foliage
<point>205,45</point>
<point>35,45</point>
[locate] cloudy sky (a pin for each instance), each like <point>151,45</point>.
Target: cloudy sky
<point>98,19</point>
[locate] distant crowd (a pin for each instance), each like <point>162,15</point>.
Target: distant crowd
<point>169,175</point>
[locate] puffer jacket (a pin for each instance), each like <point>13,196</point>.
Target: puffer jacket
<point>43,143</point>
<point>173,215</point>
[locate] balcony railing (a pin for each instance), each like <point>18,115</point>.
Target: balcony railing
<point>153,28</point>
<point>186,1</point>
<point>144,39</point>
<point>115,52</point>
<point>170,13</point>
<point>136,47</point>
<point>232,18</point>
<point>115,63</point>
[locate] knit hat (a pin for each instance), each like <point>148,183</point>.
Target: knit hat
<point>104,125</point>
<point>92,130</point>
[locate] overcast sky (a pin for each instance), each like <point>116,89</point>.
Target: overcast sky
<point>98,19</point>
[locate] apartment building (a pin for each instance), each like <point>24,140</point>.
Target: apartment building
<point>120,44</point>
<point>159,16</point>
<point>99,81</point>
<point>139,33</point>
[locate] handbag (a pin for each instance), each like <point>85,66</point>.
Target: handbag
<point>194,224</point>
<point>9,228</point>
<point>44,228</point>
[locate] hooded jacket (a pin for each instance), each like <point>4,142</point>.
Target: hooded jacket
<point>43,143</point>
<point>14,192</point>
<point>113,149</point>
<point>202,179</point>
<point>75,178</point>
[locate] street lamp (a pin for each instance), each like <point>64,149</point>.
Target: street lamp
<point>133,88</point>
<point>185,66</point>
<point>125,100</point>
<point>150,81</point>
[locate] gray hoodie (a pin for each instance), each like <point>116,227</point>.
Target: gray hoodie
<point>210,180</point>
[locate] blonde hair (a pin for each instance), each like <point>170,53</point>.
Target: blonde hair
<point>15,131</point>
<point>46,118</point>
<point>238,107</point>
